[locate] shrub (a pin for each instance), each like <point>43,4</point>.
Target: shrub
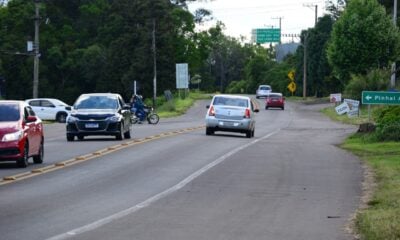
<point>388,124</point>
<point>237,87</point>
<point>375,80</point>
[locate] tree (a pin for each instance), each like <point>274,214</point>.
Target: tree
<point>363,38</point>
<point>318,67</point>
<point>335,9</point>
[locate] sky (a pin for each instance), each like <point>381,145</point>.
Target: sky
<point>241,16</point>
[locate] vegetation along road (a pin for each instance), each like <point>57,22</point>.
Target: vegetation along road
<point>289,182</point>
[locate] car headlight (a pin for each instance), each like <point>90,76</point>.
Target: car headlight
<point>9,137</point>
<point>115,118</point>
<point>71,119</point>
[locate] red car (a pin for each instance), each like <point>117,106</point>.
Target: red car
<point>275,100</point>
<point>21,133</point>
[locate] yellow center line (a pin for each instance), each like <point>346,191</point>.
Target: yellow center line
<point>90,156</point>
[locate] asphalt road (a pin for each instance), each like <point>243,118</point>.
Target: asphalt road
<point>289,182</point>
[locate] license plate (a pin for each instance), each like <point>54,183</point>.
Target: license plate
<point>229,124</point>
<point>91,125</point>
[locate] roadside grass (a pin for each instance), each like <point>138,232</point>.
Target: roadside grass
<point>362,118</point>
<point>307,99</point>
<point>380,219</point>
<point>179,106</point>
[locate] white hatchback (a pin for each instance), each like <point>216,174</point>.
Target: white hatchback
<point>231,113</point>
<point>50,109</point>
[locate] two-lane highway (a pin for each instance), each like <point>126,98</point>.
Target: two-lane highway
<point>289,182</point>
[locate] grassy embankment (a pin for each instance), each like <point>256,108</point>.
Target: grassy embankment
<point>180,105</point>
<point>381,217</point>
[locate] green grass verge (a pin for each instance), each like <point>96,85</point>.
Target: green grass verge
<point>331,113</point>
<point>381,218</point>
<point>179,106</point>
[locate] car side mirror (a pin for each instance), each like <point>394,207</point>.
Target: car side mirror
<point>31,119</point>
<point>208,106</point>
<point>256,110</point>
<point>68,108</point>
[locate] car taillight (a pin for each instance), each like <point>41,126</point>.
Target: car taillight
<point>247,113</point>
<point>211,112</point>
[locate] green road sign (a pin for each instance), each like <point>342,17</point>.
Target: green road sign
<point>264,35</point>
<point>372,97</point>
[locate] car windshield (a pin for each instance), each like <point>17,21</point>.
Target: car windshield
<point>96,102</point>
<point>9,112</point>
<point>237,102</point>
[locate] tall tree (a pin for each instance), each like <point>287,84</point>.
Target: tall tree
<point>335,8</point>
<point>362,39</point>
<point>318,67</point>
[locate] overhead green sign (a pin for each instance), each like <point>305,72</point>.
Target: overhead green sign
<point>267,35</point>
<point>373,97</point>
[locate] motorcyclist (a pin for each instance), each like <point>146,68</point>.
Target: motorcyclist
<point>138,107</point>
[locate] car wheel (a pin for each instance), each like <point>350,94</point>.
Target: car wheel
<point>61,117</point>
<point>120,134</point>
<point>81,137</point>
<point>283,108</point>
<point>39,158</point>
<point>127,134</point>
<point>70,137</point>
<point>23,161</point>
<point>252,133</point>
<point>153,118</point>
<point>248,134</point>
<point>209,131</point>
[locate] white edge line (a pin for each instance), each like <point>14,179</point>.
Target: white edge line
<point>146,203</point>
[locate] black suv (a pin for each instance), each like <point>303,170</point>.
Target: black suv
<point>99,114</point>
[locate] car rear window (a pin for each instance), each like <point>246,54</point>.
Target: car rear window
<point>237,102</point>
<point>265,88</point>
<point>9,112</point>
<point>274,96</point>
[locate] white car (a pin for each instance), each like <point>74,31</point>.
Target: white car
<point>231,113</point>
<point>263,91</point>
<point>50,109</point>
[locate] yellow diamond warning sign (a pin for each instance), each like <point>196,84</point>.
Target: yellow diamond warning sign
<point>291,75</point>
<point>292,87</point>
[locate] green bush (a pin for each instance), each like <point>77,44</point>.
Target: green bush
<point>237,87</point>
<point>388,124</point>
<point>375,80</point>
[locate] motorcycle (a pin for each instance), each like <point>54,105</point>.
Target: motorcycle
<point>151,116</point>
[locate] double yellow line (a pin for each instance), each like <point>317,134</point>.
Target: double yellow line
<point>90,156</point>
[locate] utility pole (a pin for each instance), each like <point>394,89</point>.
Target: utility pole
<point>393,76</point>
<point>155,64</point>
<point>280,26</point>
<point>305,50</point>
<point>37,54</point>
<point>316,15</point>
<point>315,6</point>
<point>305,67</point>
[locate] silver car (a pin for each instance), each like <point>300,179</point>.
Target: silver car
<point>231,113</point>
